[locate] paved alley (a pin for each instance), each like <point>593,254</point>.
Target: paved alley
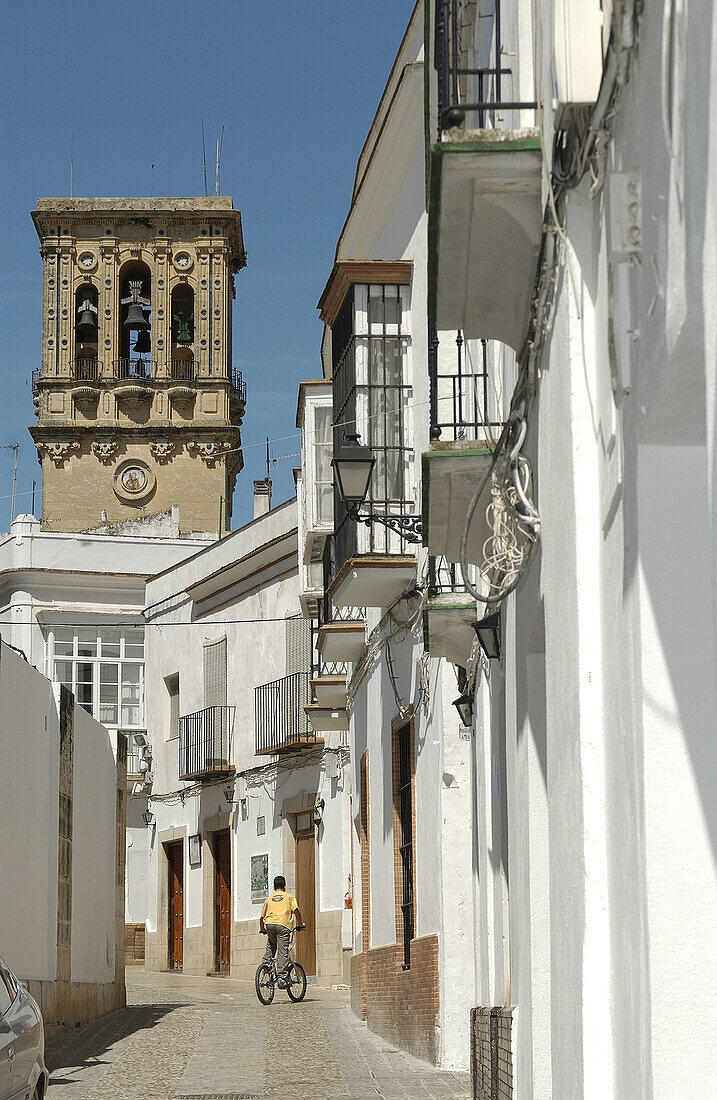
<point>185,1037</point>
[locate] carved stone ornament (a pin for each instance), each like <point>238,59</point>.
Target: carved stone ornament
<point>210,450</point>
<point>59,452</point>
<point>162,449</point>
<point>105,449</point>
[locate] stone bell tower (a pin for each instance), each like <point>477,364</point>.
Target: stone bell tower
<point>138,405</point>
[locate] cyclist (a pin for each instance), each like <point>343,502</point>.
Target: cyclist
<point>277,919</point>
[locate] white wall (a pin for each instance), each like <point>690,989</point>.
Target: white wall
<point>137,906</point>
<point>29,759</point>
<point>94,855</point>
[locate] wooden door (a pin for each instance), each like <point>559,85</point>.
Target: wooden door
<point>175,860</point>
<point>222,901</point>
<point>306,897</point>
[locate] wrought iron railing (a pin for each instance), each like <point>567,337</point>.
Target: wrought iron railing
<point>465,89</point>
<point>443,577</point>
<point>205,742</point>
<point>36,375</point>
<point>182,370</point>
<point>84,370</point>
<point>464,398</point>
<point>279,719</point>
<point>140,369</point>
<point>238,385</point>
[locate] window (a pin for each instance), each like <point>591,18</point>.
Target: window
<point>371,392</point>
<point>215,673</point>
<point>104,671</point>
<point>403,835</point>
<point>323,474</point>
<point>172,683</point>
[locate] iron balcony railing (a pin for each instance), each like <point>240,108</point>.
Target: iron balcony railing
<point>205,742</point>
<point>279,719</point>
<point>182,370</point>
<point>464,400</point>
<point>139,369</point>
<point>443,577</point>
<point>84,370</point>
<point>467,89</point>
<point>239,385</point>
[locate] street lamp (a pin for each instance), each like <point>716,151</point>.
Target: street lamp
<point>464,706</point>
<point>148,817</point>
<point>353,466</point>
<point>318,814</point>
<point>229,793</point>
<point>488,631</point>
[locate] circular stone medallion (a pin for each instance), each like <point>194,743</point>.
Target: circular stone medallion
<point>133,481</point>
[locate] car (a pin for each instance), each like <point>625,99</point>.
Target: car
<point>23,1075</point>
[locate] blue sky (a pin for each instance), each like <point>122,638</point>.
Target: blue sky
<point>295,86</point>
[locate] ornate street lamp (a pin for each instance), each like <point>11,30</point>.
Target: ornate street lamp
<point>488,631</point>
<point>353,466</point>
<point>148,817</point>
<point>464,706</point>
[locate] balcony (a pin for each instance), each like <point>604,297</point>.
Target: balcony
<point>341,641</point>
<point>205,743</point>
<point>140,370</point>
<point>280,724</point>
<point>372,580</point>
<point>84,370</point>
<point>466,422</point>
<point>449,613</point>
<point>181,370</point>
<point>485,215</point>
<point>238,385</point>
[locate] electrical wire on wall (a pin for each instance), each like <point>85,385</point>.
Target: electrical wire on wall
<point>510,511</point>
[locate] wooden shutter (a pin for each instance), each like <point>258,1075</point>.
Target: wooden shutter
<point>215,673</point>
<point>298,644</point>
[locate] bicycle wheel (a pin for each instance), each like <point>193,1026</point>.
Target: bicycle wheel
<point>264,982</point>
<point>296,983</point>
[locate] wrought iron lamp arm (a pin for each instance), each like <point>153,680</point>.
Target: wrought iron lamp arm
<point>408,527</point>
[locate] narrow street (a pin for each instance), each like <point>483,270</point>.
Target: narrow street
<point>188,1037</point>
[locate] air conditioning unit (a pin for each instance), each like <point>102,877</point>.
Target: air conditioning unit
<point>577,56</point>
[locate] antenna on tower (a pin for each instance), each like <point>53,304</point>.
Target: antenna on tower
<point>204,158</point>
<point>72,164</point>
<point>219,160</point>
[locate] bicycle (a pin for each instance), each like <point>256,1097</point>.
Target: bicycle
<point>265,979</point>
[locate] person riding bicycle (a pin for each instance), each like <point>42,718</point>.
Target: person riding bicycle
<point>280,911</point>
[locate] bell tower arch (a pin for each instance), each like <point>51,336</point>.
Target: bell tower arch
<point>138,404</point>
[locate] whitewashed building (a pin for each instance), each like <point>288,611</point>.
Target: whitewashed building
<point>571,227</point>
<point>72,604</point>
<point>243,789</point>
<point>62,821</point>
<point>365,584</point>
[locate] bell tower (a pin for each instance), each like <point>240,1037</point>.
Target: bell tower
<point>138,405</point>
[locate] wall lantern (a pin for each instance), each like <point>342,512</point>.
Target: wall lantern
<point>148,817</point>
<point>488,631</point>
<point>353,467</point>
<point>464,706</point>
<point>318,815</point>
<point>229,793</point>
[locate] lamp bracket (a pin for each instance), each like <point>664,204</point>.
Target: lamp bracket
<point>408,527</point>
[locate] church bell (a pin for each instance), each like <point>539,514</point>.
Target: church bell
<point>135,318</point>
<point>87,327</point>
<point>143,342</point>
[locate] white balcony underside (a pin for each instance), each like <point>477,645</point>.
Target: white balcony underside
<point>448,627</point>
<point>372,581</point>
<point>489,223</point>
<point>329,691</point>
<point>341,641</point>
<point>449,481</point>
<point>326,719</point>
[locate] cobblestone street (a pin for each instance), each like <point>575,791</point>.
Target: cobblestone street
<point>186,1037</point>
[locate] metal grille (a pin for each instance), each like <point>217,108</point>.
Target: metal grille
<point>279,719</point>
<point>464,403</point>
<point>472,79</point>
<point>141,369</point>
<point>84,370</point>
<point>215,673</point>
<point>405,819</point>
<point>371,394</point>
<point>182,370</point>
<point>205,741</point>
<point>298,644</point>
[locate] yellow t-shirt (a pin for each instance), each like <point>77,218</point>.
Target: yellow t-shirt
<point>279,908</point>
